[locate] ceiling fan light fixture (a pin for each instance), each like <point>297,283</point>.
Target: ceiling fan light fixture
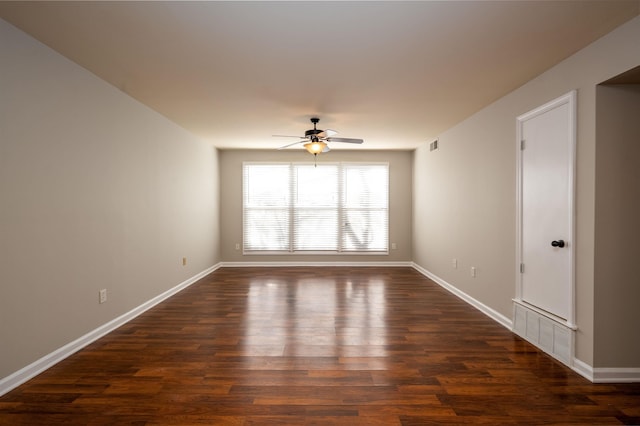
<point>316,141</point>
<point>315,147</point>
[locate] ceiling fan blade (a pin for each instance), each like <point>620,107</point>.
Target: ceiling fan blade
<point>288,136</point>
<point>326,134</point>
<point>345,140</point>
<point>292,144</point>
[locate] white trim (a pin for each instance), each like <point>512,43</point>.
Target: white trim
<point>616,375</point>
<point>494,315</point>
<point>606,375</point>
<point>598,375</point>
<point>291,206</point>
<point>21,376</point>
<point>571,100</point>
<point>595,375</point>
<point>294,264</point>
<point>545,314</point>
<point>314,253</point>
<point>547,333</point>
<point>583,369</point>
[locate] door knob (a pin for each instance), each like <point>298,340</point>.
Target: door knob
<point>559,243</point>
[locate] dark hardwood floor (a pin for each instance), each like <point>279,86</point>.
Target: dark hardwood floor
<point>314,346</point>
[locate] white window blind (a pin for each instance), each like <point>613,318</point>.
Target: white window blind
<point>365,207</point>
<point>316,203</point>
<point>300,208</point>
<point>267,212</point>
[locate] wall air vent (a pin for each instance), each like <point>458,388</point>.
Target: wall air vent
<point>433,145</point>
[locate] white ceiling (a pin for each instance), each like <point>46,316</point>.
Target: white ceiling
<point>393,73</point>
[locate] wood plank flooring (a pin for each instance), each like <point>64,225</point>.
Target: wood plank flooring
<point>314,346</point>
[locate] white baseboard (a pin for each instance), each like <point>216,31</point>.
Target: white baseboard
<point>616,375</point>
<point>583,369</point>
<point>606,375</point>
<point>494,315</point>
<point>21,376</point>
<point>595,375</point>
<point>294,264</point>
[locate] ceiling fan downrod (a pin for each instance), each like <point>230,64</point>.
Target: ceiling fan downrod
<point>313,132</point>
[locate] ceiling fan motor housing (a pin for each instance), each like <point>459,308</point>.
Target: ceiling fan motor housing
<point>311,133</point>
<point>314,137</point>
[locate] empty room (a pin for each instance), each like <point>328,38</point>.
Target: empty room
<point>319,212</point>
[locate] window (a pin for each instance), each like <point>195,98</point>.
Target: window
<point>301,208</point>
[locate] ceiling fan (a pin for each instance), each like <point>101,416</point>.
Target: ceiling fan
<point>316,140</point>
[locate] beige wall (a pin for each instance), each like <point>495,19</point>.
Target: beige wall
<point>399,202</point>
<point>464,194</point>
<point>464,209</point>
<point>96,191</point>
<point>617,233</point>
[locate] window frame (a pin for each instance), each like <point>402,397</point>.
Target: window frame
<point>341,211</point>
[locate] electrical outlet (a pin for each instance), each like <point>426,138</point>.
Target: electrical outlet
<point>237,246</point>
<point>102,295</point>
<point>184,261</point>
<point>394,246</point>
<point>454,263</point>
<point>473,271</point>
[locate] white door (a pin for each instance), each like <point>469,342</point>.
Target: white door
<point>546,187</point>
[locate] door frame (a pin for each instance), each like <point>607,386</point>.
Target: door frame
<point>569,99</point>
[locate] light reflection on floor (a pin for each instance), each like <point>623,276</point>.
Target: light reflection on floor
<point>316,317</point>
